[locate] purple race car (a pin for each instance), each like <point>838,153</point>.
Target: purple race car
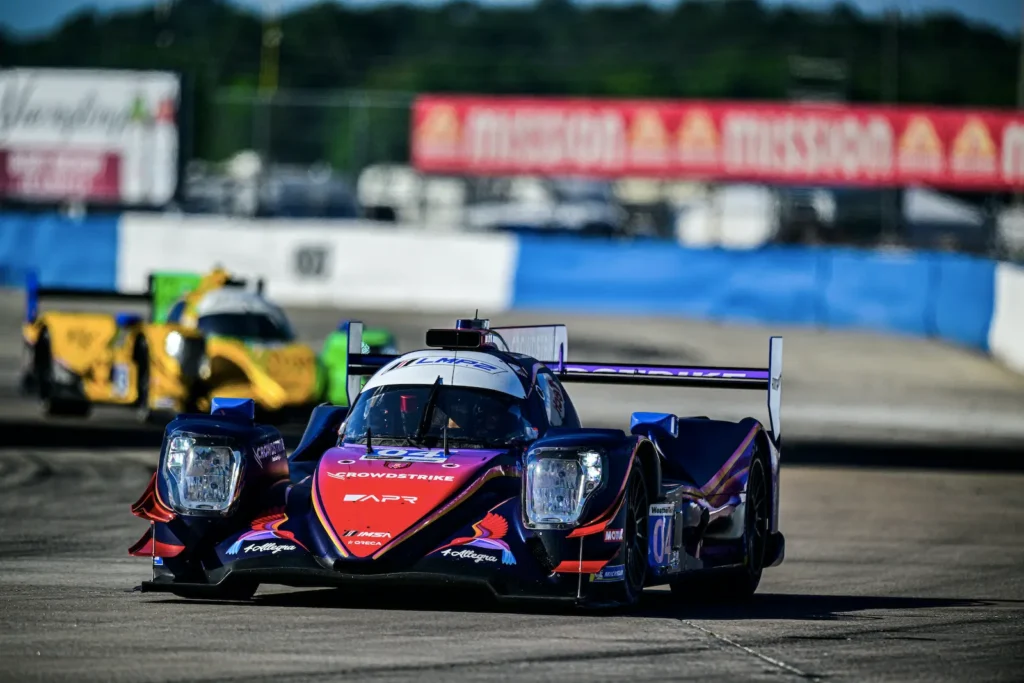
<point>467,463</point>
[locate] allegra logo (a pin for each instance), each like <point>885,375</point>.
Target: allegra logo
<point>363,498</point>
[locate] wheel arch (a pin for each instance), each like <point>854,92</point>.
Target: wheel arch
<point>650,466</point>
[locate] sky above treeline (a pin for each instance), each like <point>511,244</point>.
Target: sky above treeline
<point>31,17</point>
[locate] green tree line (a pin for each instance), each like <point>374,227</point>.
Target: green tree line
<point>709,49</point>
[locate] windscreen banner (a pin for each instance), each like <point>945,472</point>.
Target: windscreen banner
<point>724,141</point>
<point>102,137</point>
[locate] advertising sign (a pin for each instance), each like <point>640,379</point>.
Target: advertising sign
<point>777,143</point>
<point>107,137</point>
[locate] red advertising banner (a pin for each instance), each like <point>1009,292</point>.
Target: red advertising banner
<point>59,174</point>
<point>778,143</point>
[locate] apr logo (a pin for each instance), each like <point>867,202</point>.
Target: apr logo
<point>487,535</point>
<point>370,498</point>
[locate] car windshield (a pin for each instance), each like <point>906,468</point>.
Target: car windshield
<point>417,415</point>
<point>257,326</point>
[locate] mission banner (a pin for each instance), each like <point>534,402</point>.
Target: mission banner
<point>778,143</point>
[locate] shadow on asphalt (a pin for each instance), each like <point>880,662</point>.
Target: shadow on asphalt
<point>654,604</point>
<point>90,434</point>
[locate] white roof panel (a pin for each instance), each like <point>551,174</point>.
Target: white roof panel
<point>236,300</point>
<point>455,368</point>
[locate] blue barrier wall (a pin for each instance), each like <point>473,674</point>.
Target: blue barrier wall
<point>65,252</point>
<point>949,296</point>
<point>922,294</point>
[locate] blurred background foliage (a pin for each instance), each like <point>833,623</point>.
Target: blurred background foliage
<point>735,49</point>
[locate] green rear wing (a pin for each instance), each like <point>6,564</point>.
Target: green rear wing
<point>168,287</point>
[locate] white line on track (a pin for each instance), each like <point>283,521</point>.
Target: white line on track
<point>753,653</point>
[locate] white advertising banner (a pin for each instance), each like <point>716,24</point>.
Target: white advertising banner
<point>97,136</point>
<point>1006,335</point>
<point>353,264</point>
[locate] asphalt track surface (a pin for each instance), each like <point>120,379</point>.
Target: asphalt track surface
<point>905,561</point>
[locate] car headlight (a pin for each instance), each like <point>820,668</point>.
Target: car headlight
<point>558,484</point>
<point>174,344</point>
<point>203,474</point>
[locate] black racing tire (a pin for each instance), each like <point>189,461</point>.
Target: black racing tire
<point>634,539</point>
<point>42,367</point>
<point>140,356</point>
<point>738,584</point>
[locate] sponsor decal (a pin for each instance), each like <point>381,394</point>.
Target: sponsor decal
<point>666,372</point>
<point>364,542</point>
<point>613,535</point>
<point>404,455</point>
<point>472,363</point>
<point>395,465</point>
<point>697,138</point>
<point>119,378</point>
<point>920,149</point>
<point>609,574</point>
<point>269,452</point>
<point>469,554</point>
<point>974,152</point>
<point>79,337</point>
<point>867,145</point>
<point>660,522</point>
<point>273,548</point>
<point>367,534</point>
<point>439,133</point>
<point>264,529</point>
<point>158,561</point>
<point>391,475</point>
<point>487,535</point>
<point>648,139</point>
<point>371,498</point>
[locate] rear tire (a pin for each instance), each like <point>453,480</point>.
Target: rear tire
<point>52,405</point>
<point>738,584</point>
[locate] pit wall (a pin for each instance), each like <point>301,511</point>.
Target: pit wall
<point>965,300</point>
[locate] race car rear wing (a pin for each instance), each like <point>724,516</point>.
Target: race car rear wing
<point>361,364</point>
<point>34,293</point>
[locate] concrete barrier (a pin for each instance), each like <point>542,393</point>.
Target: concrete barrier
<point>968,301</point>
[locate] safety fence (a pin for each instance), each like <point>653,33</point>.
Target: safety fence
<point>968,301</point>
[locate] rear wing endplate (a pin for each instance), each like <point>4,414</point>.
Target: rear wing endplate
<point>361,363</point>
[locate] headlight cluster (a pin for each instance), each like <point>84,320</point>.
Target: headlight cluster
<point>558,484</point>
<point>203,473</point>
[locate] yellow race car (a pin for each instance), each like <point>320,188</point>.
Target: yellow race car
<point>204,336</point>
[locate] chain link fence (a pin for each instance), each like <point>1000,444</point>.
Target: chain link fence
<point>346,131</point>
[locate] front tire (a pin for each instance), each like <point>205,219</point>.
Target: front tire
<point>51,404</point>
<point>634,541</point>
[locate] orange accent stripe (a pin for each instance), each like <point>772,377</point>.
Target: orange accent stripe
<point>494,472</point>
<point>323,520</point>
<point>605,518</point>
<point>715,482</point>
<point>580,566</point>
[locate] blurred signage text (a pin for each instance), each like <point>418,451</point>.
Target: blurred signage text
<point>777,143</point>
<point>107,137</point>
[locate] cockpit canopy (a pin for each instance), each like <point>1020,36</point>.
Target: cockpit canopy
<point>418,415</point>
